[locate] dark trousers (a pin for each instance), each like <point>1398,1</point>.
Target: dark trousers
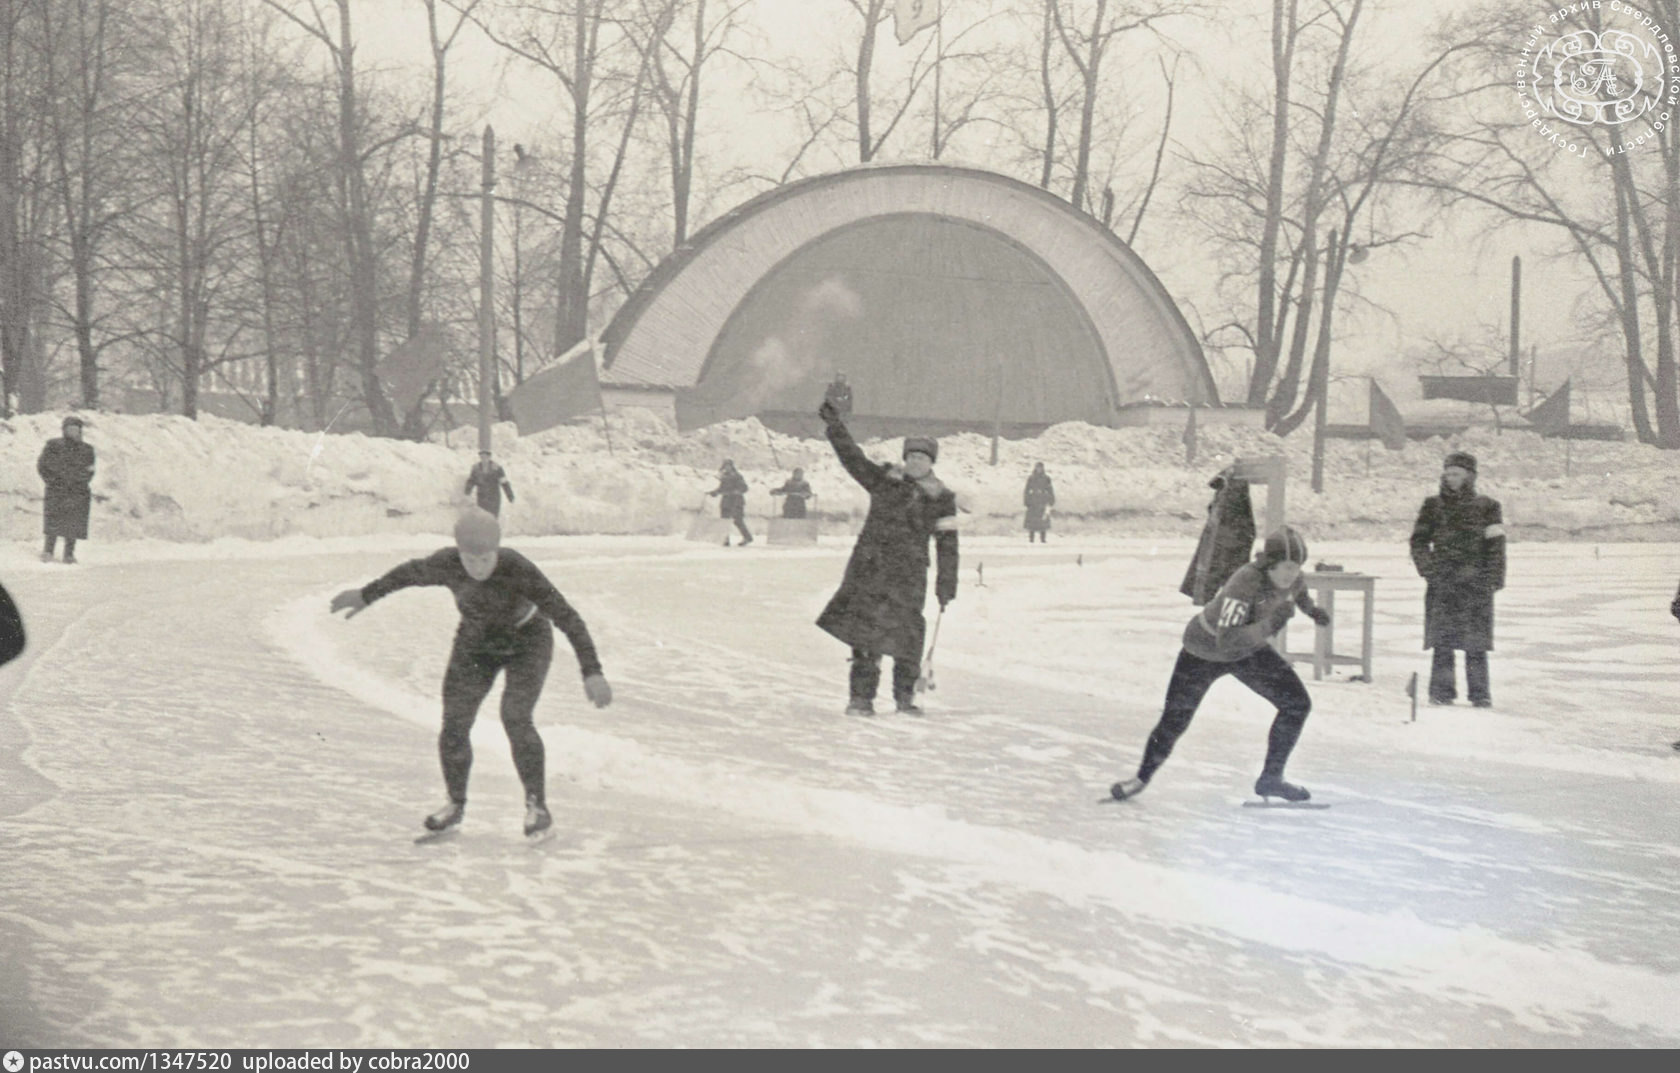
<point>1443,677</point>
<point>524,662</point>
<point>1265,672</point>
<point>69,546</point>
<point>866,676</point>
<point>741,524</point>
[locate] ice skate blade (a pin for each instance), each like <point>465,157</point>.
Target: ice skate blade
<point>438,836</point>
<point>1268,802</point>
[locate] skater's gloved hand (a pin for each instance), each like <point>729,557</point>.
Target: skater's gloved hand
<point>1674,608</point>
<point>349,601</point>
<point>1279,618</point>
<point>1320,616</point>
<point>600,693</point>
<point>829,412</point>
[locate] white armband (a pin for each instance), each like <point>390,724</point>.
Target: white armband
<point>1492,531</point>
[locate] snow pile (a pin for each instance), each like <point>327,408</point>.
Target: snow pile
<point>167,477</point>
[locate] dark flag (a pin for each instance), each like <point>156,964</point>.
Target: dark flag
<point>569,388</point>
<point>409,370</point>
<point>1385,420</point>
<point>1552,416</point>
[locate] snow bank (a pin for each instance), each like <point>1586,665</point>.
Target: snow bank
<point>167,477</point>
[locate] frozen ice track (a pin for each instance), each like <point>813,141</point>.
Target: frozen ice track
<point>739,865</point>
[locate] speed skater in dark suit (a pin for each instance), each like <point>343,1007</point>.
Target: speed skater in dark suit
<point>1231,635</point>
<point>508,609</point>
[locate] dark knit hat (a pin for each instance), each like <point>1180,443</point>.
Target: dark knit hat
<point>1462,459</point>
<point>72,420</point>
<point>477,532</point>
<point>1283,545</point>
<point>925,444</point>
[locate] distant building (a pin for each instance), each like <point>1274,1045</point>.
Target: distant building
<point>951,297</point>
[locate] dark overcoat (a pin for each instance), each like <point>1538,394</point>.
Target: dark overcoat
<point>796,491</point>
<point>1226,543</point>
<point>1038,497</point>
<point>733,489</point>
<point>878,607</point>
<point>1458,545</point>
<point>66,468</point>
<point>12,635</point>
<point>489,480</point>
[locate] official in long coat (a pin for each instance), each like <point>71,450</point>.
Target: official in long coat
<point>1038,497</point>
<point>1458,546</point>
<point>878,608</point>
<point>66,469</point>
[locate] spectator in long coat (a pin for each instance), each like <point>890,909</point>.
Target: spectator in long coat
<point>1038,497</point>
<point>1458,545</point>
<point>1674,609</point>
<point>1226,541</point>
<point>12,635</point>
<point>733,506</point>
<point>878,608</point>
<point>66,469</point>
<point>491,481</point>
<point>798,490</point>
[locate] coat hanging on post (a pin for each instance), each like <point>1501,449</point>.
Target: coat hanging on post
<point>1227,539</point>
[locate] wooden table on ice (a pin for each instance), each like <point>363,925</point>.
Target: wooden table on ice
<point>1323,585</point>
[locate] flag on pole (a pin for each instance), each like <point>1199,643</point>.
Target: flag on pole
<point>569,388</point>
<point>409,370</point>
<point>1552,416</point>
<point>1385,420</point>
<point>1189,437</point>
<point>911,17</point>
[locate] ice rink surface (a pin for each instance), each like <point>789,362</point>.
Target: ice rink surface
<point>209,789</point>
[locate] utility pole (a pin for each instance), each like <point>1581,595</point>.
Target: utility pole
<point>487,295</point>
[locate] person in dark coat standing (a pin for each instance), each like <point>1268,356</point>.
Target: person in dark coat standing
<point>491,481</point>
<point>878,608</point>
<point>733,506</point>
<point>1039,496</point>
<point>1232,635</point>
<point>12,635</point>
<point>509,612</point>
<point>1227,539</point>
<point>797,490</point>
<point>840,394</point>
<point>66,468</point>
<point>1458,546</point>
<point>1674,609</point>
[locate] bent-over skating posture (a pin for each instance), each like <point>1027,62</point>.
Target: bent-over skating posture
<point>1230,636</point>
<point>878,608</point>
<point>509,609</point>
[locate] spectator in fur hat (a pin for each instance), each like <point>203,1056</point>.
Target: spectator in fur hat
<point>1232,635</point>
<point>878,608</point>
<point>1458,546</point>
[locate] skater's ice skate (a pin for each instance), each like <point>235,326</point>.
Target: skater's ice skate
<point>446,817</point>
<point>1274,786</point>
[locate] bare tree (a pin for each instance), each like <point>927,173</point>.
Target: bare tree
<point>1611,191</point>
<point>26,200</point>
<point>338,37</point>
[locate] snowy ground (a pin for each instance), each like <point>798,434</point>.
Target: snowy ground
<point>208,790</point>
